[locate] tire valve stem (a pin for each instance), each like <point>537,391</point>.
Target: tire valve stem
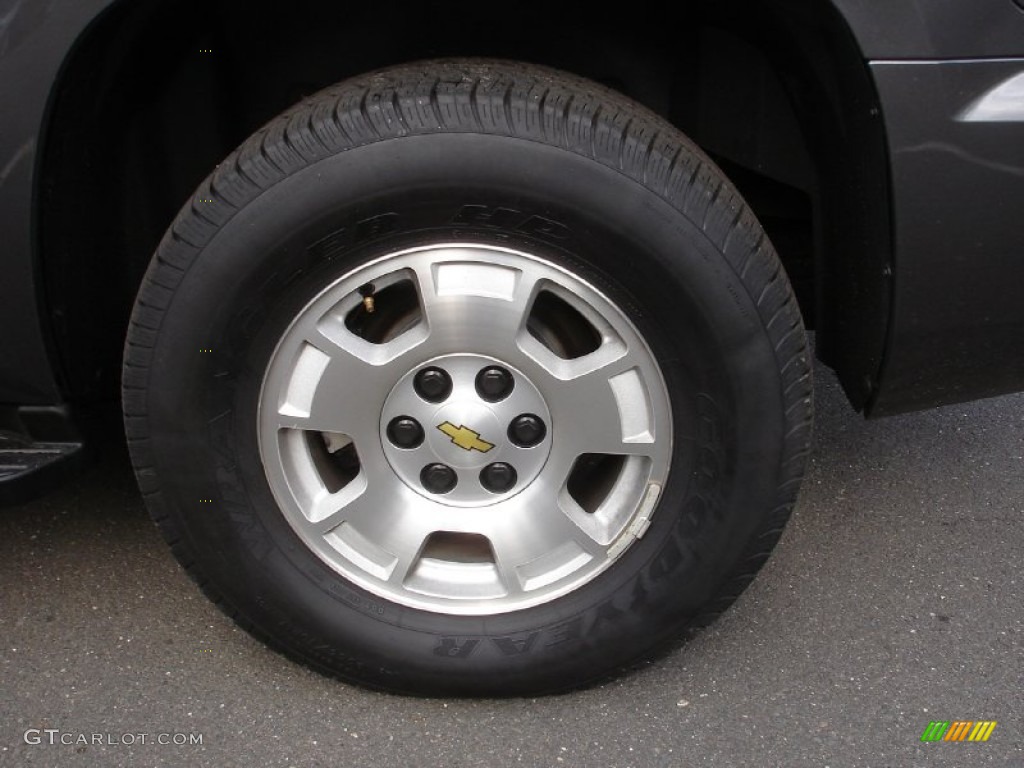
<point>366,292</point>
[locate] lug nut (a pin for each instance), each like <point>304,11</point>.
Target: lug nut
<point>405,432</point>
<point>438,478</point>
<point>433,384</point>
<point>494,383</point>
<point>498,477</point>
<point>526,430</point>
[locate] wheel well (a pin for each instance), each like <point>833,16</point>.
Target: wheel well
<point>151,99</point>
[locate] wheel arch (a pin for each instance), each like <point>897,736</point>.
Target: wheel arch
<point>152,94</point>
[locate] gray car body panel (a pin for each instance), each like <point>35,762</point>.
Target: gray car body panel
<point>954,331</point>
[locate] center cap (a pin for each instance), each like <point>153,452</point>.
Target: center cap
<point>465,435</point>
<point>462,445</point>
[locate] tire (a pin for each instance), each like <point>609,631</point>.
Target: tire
<point>284,409</point>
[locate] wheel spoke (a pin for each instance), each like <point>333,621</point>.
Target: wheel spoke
<point>603,403</point>
<point>327,510</point>
<point>340,382</point>
<point>472,304</point>
<point>380,521</point>
<point>547,546</point>
<point>407,550</point>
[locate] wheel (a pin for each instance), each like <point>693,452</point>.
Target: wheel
<point>468,377</point>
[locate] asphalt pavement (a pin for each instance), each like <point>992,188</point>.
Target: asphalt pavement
<point>894,599</point>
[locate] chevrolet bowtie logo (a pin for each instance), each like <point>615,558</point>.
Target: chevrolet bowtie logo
<point>465,438</point>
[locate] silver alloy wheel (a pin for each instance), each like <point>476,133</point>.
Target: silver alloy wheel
<point>389,436</point>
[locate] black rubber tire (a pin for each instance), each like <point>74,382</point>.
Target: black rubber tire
<point>495,152</point>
